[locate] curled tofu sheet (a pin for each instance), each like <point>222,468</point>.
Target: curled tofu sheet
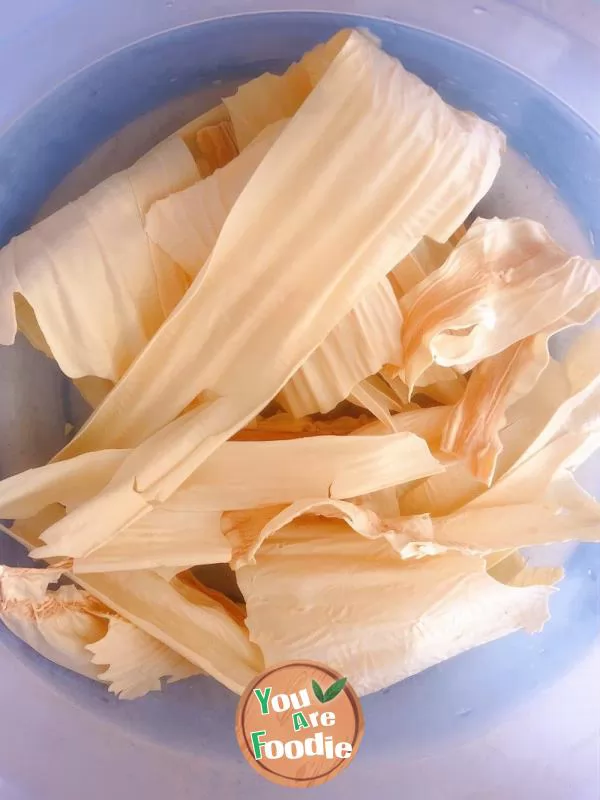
<point>377,397</point>
<point>506,280</point>
<point>71,628</point>
<point>473,431</point>
<point>133,663</point>
<point>315,391</point>
<point>319,591</point>
<point>59,278</point>
<point>365,339</point>
<point>185,530</point>
<point>187,224</point>
<point>91,256</point>
<point>427,423</point>
<point>285,426</point>
<point>422,171</point>
<point>58,623</point>
<point>565,400</point>
<point>537,503</point>
<point>426,257</point>
<point>200,625</point>
<point>249,530</point>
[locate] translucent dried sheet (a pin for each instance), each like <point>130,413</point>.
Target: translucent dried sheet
<point>506,280</point>
<point>513,570</point>
<point>91,255</point>
<point>397,385</point>
<point>357,223</point>
<point>28,531</point>
<point>191,620</point>
<point>443,493</point>
<point>135,663</point>
<point>172,535</point>
<point>248,474</point>
<point>566,398</point>
<point>366,339</point>
<point>238,475</point>
<point>427,423</point>
<point>188,620</point>
<point>447,391</point>
<point>216,147</point>
<point>384,503</point>
<point>184,530</point>
<point>270,98</point>
<point>486,530</point>
<point>379,403</point>
<point>473,429</point>
<point>285,426</point>
<point>58,624</point>
<point>74,630</point>
<point>529,505</point>
<point>394,618</point>
<point>426,257</point>
<point>187,224</point>
<point>248,531</point>
<point>68,482</point>
<point>534,504</point>
<point>496,383</point>
<point>92,389</point>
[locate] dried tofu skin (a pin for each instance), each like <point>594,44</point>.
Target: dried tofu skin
<point>91,255</point>
<point>185,530</point>
<point>244,475</point>
<point>359,224</point>
<point>247,531</point>
<point>285,426</point>
<point>365,339</point>
<point>511,568</point>
<point>370,395</point>
<point>200,625</point>
<point>216,146</point>
<point>532,504</point>
<point>426,257</point>
<point>395,619</point>
<point>58,623</point>
<point>427,423</point>
<point>270,98</point>
<point>93,390</point>
<point>69,483</point>
<point>565,399</point>
<point>505,280</point>
<point>197,624</point>
<point>498,382</point>
<point>187,224</point>
<point>529,506</point>
<point>318,289</point>
<point>472,432</point>
<point>72,629</point>
<point>134,663</point>
<point>443,493</point>
<point>369,336</point>
<point>174,534</point>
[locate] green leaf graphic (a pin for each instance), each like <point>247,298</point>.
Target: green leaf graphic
<point>334,690</point>
<point>318,692</point>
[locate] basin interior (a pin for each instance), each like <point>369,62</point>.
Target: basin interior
<point>100,121</point>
